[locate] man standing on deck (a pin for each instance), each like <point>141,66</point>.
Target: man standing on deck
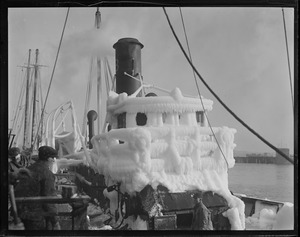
<point>14,158</point>
<point>202,215</point>
<point>40,183</point>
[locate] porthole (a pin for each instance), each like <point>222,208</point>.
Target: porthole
<point>141,119</point>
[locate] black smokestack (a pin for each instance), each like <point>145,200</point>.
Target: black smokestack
<point>128,59</point>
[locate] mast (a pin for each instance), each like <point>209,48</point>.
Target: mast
<point>41,108</point>
<point>99,92</point>
<point>99,89</point>
<point>34,97</point>
<point>25,139</point>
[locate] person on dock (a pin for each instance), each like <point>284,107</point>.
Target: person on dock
<point>40,183</point>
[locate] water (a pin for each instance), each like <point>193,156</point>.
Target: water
<point>274,182</point>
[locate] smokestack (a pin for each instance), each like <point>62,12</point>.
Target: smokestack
<point>128,59</point>
<point>92,116</point>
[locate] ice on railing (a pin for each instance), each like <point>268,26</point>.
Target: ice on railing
<point>178,151</point>
<point>172,149</point>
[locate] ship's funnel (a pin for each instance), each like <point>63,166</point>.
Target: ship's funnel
<point>91,116</point>
<point>128,59</point>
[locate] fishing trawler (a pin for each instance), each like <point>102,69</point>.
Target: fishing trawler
<point>158,154</point>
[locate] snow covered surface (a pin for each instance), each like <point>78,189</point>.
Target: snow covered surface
<point>284,219</point>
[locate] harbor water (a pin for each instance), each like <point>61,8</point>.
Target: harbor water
<point>266,181</point>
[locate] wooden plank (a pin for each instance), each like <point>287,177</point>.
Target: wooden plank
<point>52,199</point>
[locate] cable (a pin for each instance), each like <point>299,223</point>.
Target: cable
<point>135,2</point>
<point>220,101</point>
<point>118,2</point>
<point>17,112</point>
<point>288,58</point>
<point>51,76</point>
<point>190,55</point>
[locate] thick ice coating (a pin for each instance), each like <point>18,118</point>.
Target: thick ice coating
<point>173,147</point>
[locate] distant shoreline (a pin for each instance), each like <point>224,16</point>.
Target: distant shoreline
<point>262,160</point>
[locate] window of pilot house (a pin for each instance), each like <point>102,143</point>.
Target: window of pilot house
<point>122,120</point>
<point>199,117</point>
<point>141,119</point>
<point>164,116</point>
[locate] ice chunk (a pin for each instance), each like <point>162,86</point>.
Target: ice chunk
<point>233,215</point>
<point>284,219</point>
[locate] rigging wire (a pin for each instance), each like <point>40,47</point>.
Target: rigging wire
<point>118,2</point>
<point>288,58</point>
<point>219,100</point>
<point>43,110</point>
<point>19,128</point>
<point>105,62</point>
<point>198,89</point>
<point>110,73</point>
<point>19,107</point>
<point>16,121</point>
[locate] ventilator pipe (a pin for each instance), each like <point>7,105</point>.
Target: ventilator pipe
<point>91,116</point>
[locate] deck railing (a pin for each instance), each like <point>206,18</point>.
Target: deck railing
<point>153,148</point>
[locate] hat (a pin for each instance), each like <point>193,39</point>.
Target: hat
<point>46,151</point>
<point>13,152</point>
<point>198,194</point>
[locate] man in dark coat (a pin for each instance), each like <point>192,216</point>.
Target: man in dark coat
<point>14,158</point>
<point>40,183</point>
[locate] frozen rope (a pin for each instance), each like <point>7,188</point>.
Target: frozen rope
<point>198,89</point>
<point>60,42</point>
<point>288,58</point>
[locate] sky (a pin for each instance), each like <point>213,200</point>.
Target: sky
<point>240,53</point>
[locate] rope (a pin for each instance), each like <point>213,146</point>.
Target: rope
<point>17,120</point>
<point>17,112</point>
<point>106,76</point>
<point>51,76</point>
<point>220,101</point>
<point>110,73</point>
<point>190,56</point>
<point>18,131</point>
<point>288,58</point>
